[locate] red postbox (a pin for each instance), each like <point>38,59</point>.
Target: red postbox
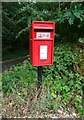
<point>42,43</point>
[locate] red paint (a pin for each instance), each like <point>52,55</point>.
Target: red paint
<point>42,43</point>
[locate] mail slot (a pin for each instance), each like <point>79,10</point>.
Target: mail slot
<point>42,43</point>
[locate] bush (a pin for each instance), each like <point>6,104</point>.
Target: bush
<point>64,83</point>
<point>18,77</point>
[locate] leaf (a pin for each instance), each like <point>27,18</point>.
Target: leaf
<point>81,40</point>
<point>67,14</point>
<point>71,20</point>
<point>55,105</point>
<point>21,32</point>
<point>77,14</point>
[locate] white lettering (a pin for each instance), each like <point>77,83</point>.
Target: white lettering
<point>42,35</point>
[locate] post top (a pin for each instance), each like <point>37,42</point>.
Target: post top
<point>43,24</point>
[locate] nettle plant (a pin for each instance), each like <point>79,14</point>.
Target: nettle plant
<point>63,82</point>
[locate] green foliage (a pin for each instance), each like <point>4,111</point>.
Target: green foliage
<point>71,12</point>
<point>81,40</point>
<point>18,78</point>
<point>8,25</point>
<point>64,82</point>
<point>17,19</point>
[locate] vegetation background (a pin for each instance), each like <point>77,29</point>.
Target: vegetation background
<point>63,82</point>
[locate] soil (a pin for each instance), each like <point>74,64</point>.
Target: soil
<point>32,107</point>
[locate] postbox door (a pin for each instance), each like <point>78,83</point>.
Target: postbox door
<point>43,51</point>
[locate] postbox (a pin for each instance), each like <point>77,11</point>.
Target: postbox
<point>42,43</point>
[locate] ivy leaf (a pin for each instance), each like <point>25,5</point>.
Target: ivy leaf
<point>67,14</point>
<point>71,20</point>
<point>77,14</point>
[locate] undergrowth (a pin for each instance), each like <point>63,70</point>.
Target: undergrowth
<point>62,81</point>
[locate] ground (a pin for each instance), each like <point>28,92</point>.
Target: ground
<point>32,107</point>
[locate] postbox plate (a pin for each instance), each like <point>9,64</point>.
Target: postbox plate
<point>43,35</point>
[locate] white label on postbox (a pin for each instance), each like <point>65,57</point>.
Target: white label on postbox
<point>43,35</point>
<point>43,52</point>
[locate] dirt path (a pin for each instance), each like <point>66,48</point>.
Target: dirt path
<point>5,65</point>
